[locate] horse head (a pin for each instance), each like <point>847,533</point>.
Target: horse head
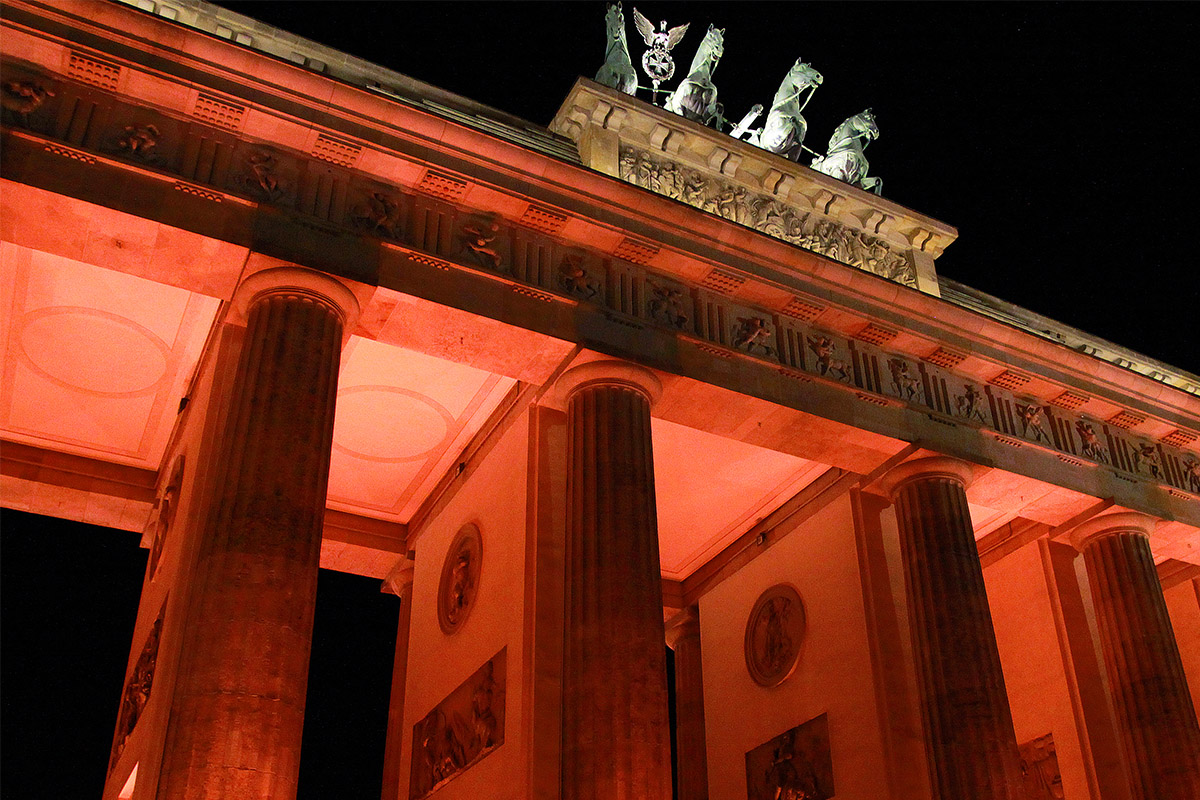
<point>614,21</point>
<point>712,47</point>
<point>864,125</point>
<point>802,74</point>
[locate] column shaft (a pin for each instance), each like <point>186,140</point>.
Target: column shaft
<point>1155,717</point>
<point>395,725</point>
<point>691,748</point>
<point>616,741</point>
<point>238,709</point>
<point>972,748</point>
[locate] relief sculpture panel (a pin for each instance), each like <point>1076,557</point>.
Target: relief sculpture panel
<point>1039,769</point>
<point>460,730</point>
<point>767,215</point>
<point>795,765</point>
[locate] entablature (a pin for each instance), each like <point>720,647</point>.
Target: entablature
<point>393,196</point>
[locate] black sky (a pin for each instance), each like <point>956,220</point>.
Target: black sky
<point>1058,138</point>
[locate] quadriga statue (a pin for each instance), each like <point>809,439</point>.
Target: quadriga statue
<point>785,127</point>
<point>618,71</point>
<point>696,95</point>
<point>844,159</point>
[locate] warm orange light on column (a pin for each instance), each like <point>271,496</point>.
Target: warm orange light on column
<point>237,712</point>
<point>1155,716</point>
<point>970,742</point>
<point>616,738</point>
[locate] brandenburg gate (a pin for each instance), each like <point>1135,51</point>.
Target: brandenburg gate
<point>645,377</point>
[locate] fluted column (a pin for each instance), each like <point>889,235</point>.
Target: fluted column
<point>237,712</point>
<point>971,747</point>
<point>616,741</point>
<point>400,583</point>
<point>1155,716</point>
<point>691,750</point>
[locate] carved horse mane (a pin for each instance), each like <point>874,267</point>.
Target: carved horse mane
<point>696,96</point>
<point>618,71</point>
<point>785,127</point>
<point>844,158</point>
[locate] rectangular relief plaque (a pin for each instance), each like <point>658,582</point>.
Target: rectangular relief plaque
<point>460,730</point>
<point>795,764</point>
<point>1039,769</point>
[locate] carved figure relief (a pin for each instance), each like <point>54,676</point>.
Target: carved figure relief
<point>774,633</point>
<point>139,142</point>
<point>1039,769</point>
<point>904,383</point>
<point>1031,422</point>
<point>668,305</point>
<point>753,333</point>
<point>1191,468</point>
<point>261,178</point>
<point>379,214</point>
<point>795,765</point>
<point>479,242</point>
<point>163,515</point>
<point>969,404</point>
<point>1092,446</point>
<point>574,279</point>
<point>460,730</point>
<point>460,578</point>
<point>765,214</point>
<point>827,361</point>
<point>136,693</point>
<point>19,99</point>
<point>1146,457</point>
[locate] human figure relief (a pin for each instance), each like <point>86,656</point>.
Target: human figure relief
<point>904,383</point>
<point>1092,446</point>
<point>969,403</point>
<point>827,362</point>
<point>1031,422</point>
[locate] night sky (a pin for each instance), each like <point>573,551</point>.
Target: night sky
<point>1058,139</point>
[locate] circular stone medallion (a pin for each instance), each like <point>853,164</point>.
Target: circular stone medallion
<point>774,633</point>
<point>460,578</point>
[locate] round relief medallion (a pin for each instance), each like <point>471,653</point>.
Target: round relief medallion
<point>460,578</point>
<point>774,633</point>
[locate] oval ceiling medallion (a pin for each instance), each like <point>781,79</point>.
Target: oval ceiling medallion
<point>389,424</point>
<point>94,351</point>
<point>460,578</point>
<point>774,634</point>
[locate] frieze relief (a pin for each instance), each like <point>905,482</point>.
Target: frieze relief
<point>495,245</point>
<point>766,215</point>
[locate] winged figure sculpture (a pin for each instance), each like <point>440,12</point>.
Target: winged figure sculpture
<point>657,60</point>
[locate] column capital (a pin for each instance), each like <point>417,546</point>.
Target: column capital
<point>924,468</point>
<point>400,580</point>
<point>684,625</point>
<point>1109,524</point>
<point>608,372</point>
<point>320,287</point>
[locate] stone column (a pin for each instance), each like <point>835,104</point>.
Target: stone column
<point>691,750</point>
<point>400,583</point>
<point>1155,717</point>
<point>238,707</point>
<point>971,746</point>
<point>616,740</point>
